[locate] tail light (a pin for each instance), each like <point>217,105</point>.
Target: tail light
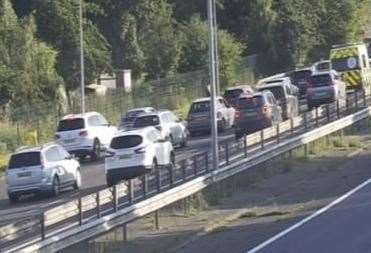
<point>265,109</point>
<point>57,137</point>
<point>109,154</point>
<point>140,150</point>
<point>83,133</point>
<point>238,114</point>
<point>159,128</point>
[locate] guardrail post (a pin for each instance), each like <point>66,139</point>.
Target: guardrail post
<point>292,125</point>
<point>278,133</point>
<point>245,145</point>
<point>158,179</point>
<point>125,232</point>
<point>305,120</point>
<point>114,197</point>
<point>227,153</point>
<point>131,191</point>
<point>328,112</point>
<point>356,99</point>
<point>195,165</point>
<point>157,224</point>
<point>262,139</point>
<point>317,122</point>
<point>80,215</point>
<point>364,98</point>
<point>338,109</point>
<point>42,225</point>
<point>98,204</point>
<point>206,162</point>
<point>171,174</point>
<point>145,184</point>
<point>347,103</point>
<point>184,169</point>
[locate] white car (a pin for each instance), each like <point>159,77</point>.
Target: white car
<point>136,152</point>
<point>47,168</point>
<point>167,123</point>
<point>86,134</point>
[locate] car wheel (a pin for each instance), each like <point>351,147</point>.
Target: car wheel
<point>223,126</point>
<point>184,140</point>
<point>172,159</point>
<point>77,184</point>
<point>55,187</point>
<point>13,198</point>
<point>96,151</point>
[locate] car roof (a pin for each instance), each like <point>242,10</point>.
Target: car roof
<point>26,149</point>
<point>138,131</point>
<point>326,72</point>
<point>206,99</point>
<point>80,115</point>
<point>242,86</point>
<point>271,85</point>
<point>141,109</point>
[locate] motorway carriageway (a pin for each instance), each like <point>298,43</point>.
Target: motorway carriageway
<point>343,226</point>
<point>93,180</point>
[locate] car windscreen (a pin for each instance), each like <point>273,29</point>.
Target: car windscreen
<point>200,107</point>
<point>344,64</point>
<point>300,75</point>
<point>250,103</point>
<point>144,121</point>
<point>26,159</point>
<point>321,80</point>
<point>127,141</point>
<point>278,91</point>
<point>71,124</point>
<point>232,93</point>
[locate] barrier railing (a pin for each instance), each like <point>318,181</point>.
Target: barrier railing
<point>110,200</point>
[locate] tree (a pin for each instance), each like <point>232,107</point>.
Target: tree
<point>195,46</point>
<point>27,66</point>
<point>58,25</point>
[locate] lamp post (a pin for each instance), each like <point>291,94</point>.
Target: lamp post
<point>213,82</point>
<point>82,68</point>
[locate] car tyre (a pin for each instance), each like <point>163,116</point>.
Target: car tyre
<point>77,184</point>
<point>13,198</point>
<point>95,155</point>
<point>223,126</point>
<point>110,181</point>
<point>55,187</point>
<point>154,165</point>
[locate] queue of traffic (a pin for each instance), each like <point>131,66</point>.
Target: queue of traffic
<point>146,138</point>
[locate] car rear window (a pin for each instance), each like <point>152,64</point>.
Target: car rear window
<point>232,93</point>
<point>250,103</point>
<point>145,121</point>
<point>71,124</point>
<point>132,114</point>
<point>127,141</point>
<point>278,91</point>
<point>321,80</point>
<point>200,107</point>
<point>24,160</point>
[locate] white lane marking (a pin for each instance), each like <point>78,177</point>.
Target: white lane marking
<point>314,215</point>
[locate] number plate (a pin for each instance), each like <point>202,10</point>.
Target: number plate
<point>128,156</point>
<point>24,174</point>
<point>321,94</point>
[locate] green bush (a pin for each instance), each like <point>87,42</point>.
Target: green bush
<point>3,148</point>
<point>8,136</point>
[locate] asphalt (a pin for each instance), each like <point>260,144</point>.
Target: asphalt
<point>344,228</point>
<point>341,227</point>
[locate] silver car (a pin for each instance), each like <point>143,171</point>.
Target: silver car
<point>44,169</point>
<point>170,126</point>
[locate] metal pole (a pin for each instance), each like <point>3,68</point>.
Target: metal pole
<point>214,125</point>
<point>82,69</point>
<point>216,51</point>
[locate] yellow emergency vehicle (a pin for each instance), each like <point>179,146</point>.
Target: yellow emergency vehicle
<point>351,62</point>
